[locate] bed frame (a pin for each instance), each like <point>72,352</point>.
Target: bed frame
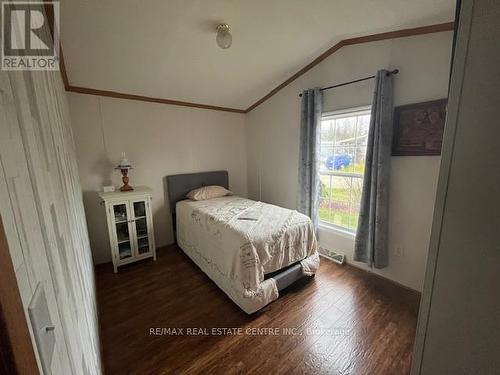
<point>180,184</point>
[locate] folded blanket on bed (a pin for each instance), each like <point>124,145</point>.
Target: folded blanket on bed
<point>250,214</point>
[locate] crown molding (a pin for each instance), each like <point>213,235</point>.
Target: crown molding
<point>430,29</point>
<point>120,95</point>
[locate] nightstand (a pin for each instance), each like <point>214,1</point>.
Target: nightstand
<point>130,225</point>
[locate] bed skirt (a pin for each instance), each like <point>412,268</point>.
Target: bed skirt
<point>248,301</point>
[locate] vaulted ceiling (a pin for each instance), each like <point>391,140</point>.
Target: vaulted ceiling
<point>167,49</point>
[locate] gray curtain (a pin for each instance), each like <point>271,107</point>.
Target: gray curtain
<point>309,182</point>
<point>371,238</point>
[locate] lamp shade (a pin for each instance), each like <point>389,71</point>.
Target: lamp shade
<point>124,163</point>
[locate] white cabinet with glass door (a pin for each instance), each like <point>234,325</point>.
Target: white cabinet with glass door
<point>130,225</point>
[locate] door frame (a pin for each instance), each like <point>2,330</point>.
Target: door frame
<point>463,17</point>
<point>17,355</point>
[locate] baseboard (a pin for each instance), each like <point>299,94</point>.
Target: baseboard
<point>350,264</point>
<point>353,265</point>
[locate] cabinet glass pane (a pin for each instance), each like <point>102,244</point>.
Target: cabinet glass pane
<point>120,211</point>
<point>139,209</point>
<point>123,238</point>
<point>141,229</point>
<point>124,250</point>
<point>143,245</point>
<point>122,234</point>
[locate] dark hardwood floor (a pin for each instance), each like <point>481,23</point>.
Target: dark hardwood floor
<point>343,321</point>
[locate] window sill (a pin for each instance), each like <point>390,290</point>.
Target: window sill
<point>337,231</point>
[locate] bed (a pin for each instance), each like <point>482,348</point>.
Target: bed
<point>250,249</point>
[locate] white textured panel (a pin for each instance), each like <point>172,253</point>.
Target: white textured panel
<point>23,284</point>
<point>16,252</point>
<point>41,207</point>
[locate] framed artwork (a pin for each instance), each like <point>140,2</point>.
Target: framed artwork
<point>419,128</point>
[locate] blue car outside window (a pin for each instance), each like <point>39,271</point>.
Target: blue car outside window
<point>338,161</point>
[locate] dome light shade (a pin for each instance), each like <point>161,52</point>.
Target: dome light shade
<point>224,38</point>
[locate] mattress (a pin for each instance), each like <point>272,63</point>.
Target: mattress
<point>237,241</point>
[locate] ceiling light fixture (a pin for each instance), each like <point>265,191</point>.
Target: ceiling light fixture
<point>224,38</point>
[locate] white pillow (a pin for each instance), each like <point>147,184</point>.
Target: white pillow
<point>208,192</point>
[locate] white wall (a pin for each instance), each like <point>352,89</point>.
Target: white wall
<point>159,140</point>
<point>273,138</point>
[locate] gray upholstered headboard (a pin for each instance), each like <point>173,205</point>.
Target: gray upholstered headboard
<point>179,185</point>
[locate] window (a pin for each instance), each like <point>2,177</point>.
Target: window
<point>344,137</point>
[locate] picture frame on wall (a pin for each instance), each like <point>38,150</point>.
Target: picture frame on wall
<point>419,128</point>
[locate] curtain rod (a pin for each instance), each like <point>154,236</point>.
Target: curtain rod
<point>395,71</point>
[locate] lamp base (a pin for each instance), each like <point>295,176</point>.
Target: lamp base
<point>126,186</point>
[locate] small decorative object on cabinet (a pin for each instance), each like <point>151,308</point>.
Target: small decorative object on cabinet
<point>124,167</point>
<point>130,225</point>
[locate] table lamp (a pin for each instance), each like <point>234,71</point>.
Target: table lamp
<point>124,166</point>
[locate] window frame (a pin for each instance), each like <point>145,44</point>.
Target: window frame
<point>333,115</point>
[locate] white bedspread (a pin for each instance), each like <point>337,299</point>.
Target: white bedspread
<point>235,241</point>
